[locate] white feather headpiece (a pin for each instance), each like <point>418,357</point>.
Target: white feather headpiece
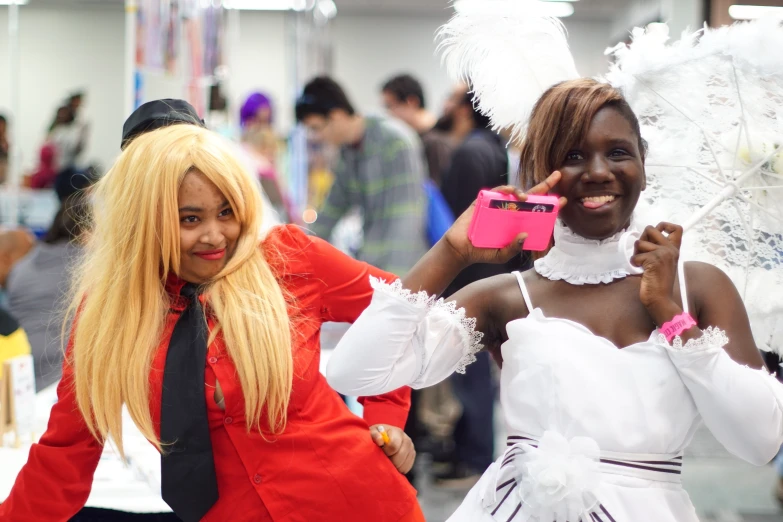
<point>509,52</point>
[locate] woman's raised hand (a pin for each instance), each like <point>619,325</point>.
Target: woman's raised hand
<point>457,236</point>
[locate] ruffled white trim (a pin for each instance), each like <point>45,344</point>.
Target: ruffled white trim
<point>466,326</point>
<point>395,288</point>
<point>467,330</point>
<point>565,234</point>
<point>581,261</point>
<point>710,339</point>
<point>556,267</point>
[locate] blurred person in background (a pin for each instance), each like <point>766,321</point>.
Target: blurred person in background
<point>76,104</point>
<point>434,411</point>
<point>14,245</point>
<point>68,139</point>
<point>403,97</point>
<point>319,172</point>
<point>37,283</point>
<point>445,123</point>
<point>70,115</point>
<point>60,148</point>
<point>480,161</point>
<point>45,174</point>
<point>380,170</point>
<point>260,143</point>
<point>5,148</point>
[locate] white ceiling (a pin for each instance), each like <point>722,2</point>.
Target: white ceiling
<point>589,9</point>
<point>605,9</point>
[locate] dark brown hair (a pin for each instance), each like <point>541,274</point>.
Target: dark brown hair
<point>560,120</point>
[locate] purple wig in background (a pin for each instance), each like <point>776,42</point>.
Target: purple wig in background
<point>254,103</point>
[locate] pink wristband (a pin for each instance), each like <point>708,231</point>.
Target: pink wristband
<point>677,325</point>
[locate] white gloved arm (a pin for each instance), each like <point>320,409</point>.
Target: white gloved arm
<point>402,339</point>
<point>742,407</point>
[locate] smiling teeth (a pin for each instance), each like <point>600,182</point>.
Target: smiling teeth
<point>599,199</point>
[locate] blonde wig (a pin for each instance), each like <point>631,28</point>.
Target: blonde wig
<point>119,293</point>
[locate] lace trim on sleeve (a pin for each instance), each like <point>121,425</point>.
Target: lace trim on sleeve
<point>471,339</point>
<point>711,338</point>
<point>419,299</point>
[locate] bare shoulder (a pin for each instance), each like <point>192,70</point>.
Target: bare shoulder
<point>490,299</point>
<point>496,289</point>
<point>706,280</point>
<point>710,289</point>
<point>703,272</point>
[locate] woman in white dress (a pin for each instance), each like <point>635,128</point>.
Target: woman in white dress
<point>601,390</point>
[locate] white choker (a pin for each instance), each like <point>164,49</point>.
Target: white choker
<point>581,261</point>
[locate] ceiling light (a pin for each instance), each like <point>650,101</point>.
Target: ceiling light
<point>327,8</point>
<point>749,12</point>
<point>268,5</point>
<point>9,2</point>
<point>546,8</point>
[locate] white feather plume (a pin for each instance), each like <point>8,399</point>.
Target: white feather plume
<point>509,52</point>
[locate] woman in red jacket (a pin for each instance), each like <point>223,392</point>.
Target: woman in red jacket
<point>212,343</point>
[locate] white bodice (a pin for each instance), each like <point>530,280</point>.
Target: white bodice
<point>558,376</point>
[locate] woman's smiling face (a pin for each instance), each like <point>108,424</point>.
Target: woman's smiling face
<point>602,177</point>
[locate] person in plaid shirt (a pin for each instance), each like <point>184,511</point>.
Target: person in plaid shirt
<point>380,170</point>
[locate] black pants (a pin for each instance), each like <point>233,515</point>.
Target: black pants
<point>109,515</point>
<point>474,434</point>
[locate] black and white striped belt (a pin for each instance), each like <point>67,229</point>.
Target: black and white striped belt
<point>513,493</point>
<point>652,466</point>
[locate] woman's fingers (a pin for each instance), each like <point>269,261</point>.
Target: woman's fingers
<point>510,189</point>
<point>547,185</point>
<point>673,232</point>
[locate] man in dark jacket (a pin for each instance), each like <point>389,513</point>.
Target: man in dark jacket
<point>479,162</point>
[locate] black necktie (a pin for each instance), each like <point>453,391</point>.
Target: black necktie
<point>188,480</point>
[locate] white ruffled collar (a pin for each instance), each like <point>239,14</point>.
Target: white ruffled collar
<point>580,261</point>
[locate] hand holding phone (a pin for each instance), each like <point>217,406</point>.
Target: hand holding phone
<point>499,218</point>
<point>457,245</point>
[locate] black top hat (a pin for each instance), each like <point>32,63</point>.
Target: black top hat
<point>158,114</point>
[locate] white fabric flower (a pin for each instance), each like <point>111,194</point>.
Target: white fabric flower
<point>558,479</point>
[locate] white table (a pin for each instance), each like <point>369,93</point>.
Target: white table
<point>133,488</point>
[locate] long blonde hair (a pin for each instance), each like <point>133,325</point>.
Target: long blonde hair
<point>120,298</point>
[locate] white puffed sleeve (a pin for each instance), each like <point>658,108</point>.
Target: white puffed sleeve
<point>742,407</point>
<point>402,339</point>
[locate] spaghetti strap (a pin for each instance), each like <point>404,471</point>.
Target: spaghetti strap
<point>683,289</point>
<point>525,293</point>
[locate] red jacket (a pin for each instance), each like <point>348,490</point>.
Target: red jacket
<point>323,467</point>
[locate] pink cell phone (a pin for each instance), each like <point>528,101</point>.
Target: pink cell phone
<point>499,218</point>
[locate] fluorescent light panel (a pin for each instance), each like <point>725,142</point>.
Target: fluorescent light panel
<point>9,2</point>
<point>547,8</point>
<point>749,12</point>
<point>267,5</point>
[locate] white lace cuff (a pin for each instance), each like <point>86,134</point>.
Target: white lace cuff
<point>419,299</point>
<point>466,326</point>
<point>438,312</point>
<point>712,338</point>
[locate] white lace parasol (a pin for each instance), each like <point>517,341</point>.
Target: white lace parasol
<point>711,109</point>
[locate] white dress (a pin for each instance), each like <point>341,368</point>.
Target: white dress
<point>595,433</point>
<point>561,380</point>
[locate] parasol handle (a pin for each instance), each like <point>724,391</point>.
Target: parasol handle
<point>727,192</point>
